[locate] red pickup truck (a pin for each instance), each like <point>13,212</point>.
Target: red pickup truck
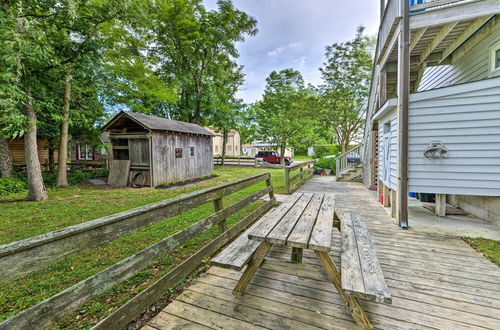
<point>272,157</point>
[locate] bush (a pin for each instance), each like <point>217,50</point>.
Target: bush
<point>326,163</point>
<point>11,185</point>
<point>322,150</point>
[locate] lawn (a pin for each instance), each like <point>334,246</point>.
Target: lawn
<point>302,158</point>
<point>77,204</point>
<point>489,248</point>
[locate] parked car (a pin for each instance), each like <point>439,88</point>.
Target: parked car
<point>272,157</point>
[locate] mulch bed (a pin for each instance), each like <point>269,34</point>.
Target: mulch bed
<point>183,183</point>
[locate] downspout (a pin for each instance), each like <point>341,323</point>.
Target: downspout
<point>403,129</point>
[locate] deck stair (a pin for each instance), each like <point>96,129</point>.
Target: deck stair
<point>349,165</point>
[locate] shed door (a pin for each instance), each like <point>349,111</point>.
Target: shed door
<point>139,151</point>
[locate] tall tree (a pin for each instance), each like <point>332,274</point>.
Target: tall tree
<point>283,116</point>
<point>346,77</point>
<point>195,49</point>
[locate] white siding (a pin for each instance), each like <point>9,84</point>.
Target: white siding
<point>390,117</point>
<point>472,66</point>
<point>466,118</point>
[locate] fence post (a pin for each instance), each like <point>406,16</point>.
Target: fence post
<point>268,183</point>
<point>219,206</point>
<point>287,180</point>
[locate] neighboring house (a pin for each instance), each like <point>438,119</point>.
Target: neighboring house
<point>83,151</point>
<point>251,149</point>
<point>159,149</point>
<point>454,107</point>
<point>16,149</point>
<point>233,143</point>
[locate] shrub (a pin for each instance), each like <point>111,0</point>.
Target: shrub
<point>11,185</point>
<point>322,150</point>
<point>326,163</point>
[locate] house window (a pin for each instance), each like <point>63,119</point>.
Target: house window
<point>216,148</point>
<point>84,152</point>
<point>228,147</point>
<point>495,58</point>
<point>191,151</point>
<point>235,148</point>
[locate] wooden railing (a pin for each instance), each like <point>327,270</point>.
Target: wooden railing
<point>306,171</point>
<point>434,4</point>
<point>20,258</point>
<point>387,24</point>
<point>234,159</point>
<point>349,159</point>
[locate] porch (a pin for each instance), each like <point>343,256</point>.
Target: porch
<point>436,281</point>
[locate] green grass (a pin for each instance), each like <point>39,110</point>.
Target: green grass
<point>489,248</point>
<point>73,205</point>
<point>302,158</point>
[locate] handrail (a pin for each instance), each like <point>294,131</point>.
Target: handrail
<point>348,160</point>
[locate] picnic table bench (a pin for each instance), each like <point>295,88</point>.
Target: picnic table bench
<point>307,221</point>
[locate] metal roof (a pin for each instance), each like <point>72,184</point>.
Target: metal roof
<point>162,124</point>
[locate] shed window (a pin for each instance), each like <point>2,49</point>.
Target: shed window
<point>191,151</point>
<point>84,152</point>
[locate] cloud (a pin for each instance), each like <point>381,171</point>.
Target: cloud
<point>294,34</point>
<point>275,52</point>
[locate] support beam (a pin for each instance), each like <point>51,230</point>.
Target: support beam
<point>387,197</point>
<point>445,30</point>
<point>394,203</point>
<point>471,29</point>
<point>441,205</point>
<point>416,37</point>
<point>420,74</point>
<point>403,105</point>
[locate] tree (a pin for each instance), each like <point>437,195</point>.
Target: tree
<point>346,77</point>
<point>283,116</point>
<point>195,51</point>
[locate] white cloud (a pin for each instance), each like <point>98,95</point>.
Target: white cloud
<point>275,52</point>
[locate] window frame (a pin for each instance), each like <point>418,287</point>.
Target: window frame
<point>88,153</point>
<point>493,59</point>
<point>192,151</point>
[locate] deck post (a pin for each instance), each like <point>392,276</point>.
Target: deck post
<point>441,205</point>
<point>394,203</point>
<point>387,197</point>
<point>287,180</point>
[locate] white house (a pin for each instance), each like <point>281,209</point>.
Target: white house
<point>251,149</point>
<point>445,139</point>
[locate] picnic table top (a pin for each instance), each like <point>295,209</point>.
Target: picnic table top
<point>305,220</point>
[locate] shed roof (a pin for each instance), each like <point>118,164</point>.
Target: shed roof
<point>161,124</point>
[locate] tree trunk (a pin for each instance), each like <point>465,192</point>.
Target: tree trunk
<point>224,142</point>
<point>62,178</point>
<point>52,164</point>
<point>5,159</point>
<point>36,187</point>
<point>197,114</point>
<point>282,154</point>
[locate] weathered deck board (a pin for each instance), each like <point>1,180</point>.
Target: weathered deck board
<point>436,282</point>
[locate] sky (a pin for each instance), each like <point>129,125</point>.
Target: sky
<point>294,34</point>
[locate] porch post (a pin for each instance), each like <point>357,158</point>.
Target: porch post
<point>403,100</point>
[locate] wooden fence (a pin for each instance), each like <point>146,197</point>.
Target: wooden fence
<point>306,171</point>
<point>234,159</point>
<point>38,252</point>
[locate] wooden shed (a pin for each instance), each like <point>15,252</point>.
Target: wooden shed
<point>159,150</point>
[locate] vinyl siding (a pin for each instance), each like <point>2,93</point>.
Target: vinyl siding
<point>392,118</point>
<point>466,119</point>
<point>472,66</point>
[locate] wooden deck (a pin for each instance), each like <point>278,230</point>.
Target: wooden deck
<point>435,281</point>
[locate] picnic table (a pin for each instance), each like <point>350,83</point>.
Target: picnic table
<point>307,221</point>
